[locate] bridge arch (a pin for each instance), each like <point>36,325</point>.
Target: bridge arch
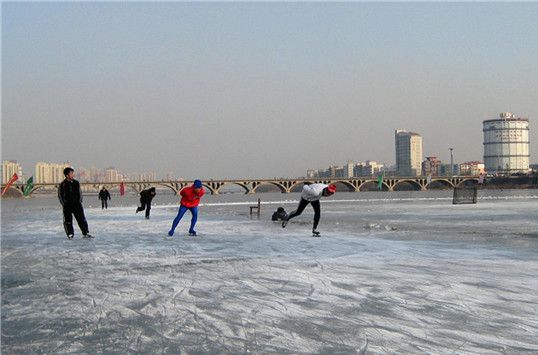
<point>244,186</point>
<point>47,187</point>
<point>297,186</point>
<point>173,188</point>
<point>271,183</point>
<point>372,185</point>
<point>467,182</point>
<point>410,182</point>
<point>439,182</point>
<point>209,188</point>
<point>138,187</point>
<point>134,188</point>
<point>10,193</point>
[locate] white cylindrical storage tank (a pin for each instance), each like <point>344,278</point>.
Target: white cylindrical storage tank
<point>506,144</point>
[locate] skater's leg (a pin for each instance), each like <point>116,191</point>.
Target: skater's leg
<point>194,211</point>
<point>68,221</point>
<point>78,211</point>
<point>317,213</point>
<point>148,207</point>
<point>180,213</point>
<point>102,204</point>
<point>302,204</point>
<point>106,204</point>
<point>142,207</point>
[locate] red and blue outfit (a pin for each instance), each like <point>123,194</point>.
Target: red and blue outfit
<point>190,199</point>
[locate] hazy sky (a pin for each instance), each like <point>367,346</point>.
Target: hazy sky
<point>215,90</point>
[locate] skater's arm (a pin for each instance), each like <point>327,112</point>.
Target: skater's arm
<point>79,192</point>
<point>61,196</point>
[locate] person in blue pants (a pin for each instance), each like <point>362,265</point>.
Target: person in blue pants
<point>190,199</point>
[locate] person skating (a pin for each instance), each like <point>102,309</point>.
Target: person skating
<point>104,196</point>
<point>70,197</point>
<point>190,198</point>
<point>311,194</point>
<point>145,200</point>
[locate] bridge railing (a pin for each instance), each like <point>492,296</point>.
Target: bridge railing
<point>285,185</point>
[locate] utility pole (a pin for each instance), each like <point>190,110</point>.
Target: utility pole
<point>451,162</point>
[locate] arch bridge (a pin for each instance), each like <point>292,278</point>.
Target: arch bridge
<point>251,186</point>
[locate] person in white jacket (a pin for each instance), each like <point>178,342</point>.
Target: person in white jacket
<point>311,194</point>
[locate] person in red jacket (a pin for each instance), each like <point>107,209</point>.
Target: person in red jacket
<point>190,198</point>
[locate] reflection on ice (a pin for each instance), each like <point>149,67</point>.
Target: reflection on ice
<point>400,276</point>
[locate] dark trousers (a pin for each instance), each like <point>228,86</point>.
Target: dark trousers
<point>145,205</point>
<point>104,204</point>
<point>302,205</point>
<point>78,211</point>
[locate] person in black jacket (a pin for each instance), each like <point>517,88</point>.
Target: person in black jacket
<point>70,197</point>
<point>145,199</point>
<point>104,196</point>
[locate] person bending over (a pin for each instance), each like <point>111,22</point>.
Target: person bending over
<point>311,194</point>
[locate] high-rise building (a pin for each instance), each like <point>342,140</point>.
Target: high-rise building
<point>83,175</point>
<point>348,171</point>
<point>10,167</point>
<point>49,173</point>
<point>169,176</point>
<point>111,174</point>
<point>370,168</point>
<point>150,176</point>
<point>448,170</point>
<point>431,166</point>
<point>340,172</point>
<point>472,168</point>
<point>376,167</point>
<point>506,144</point>
<point>311,174</point>
<point>95,175</point>
<point>332,171</point>
<point>362,170</point>
<point>408,153</point>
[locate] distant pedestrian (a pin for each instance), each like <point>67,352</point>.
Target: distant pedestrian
<point>190,198</point>
<point>279,214</point>
<point>481,178</point>
<point>70,197</point>
<point>145,200</point>
<point>104,196</point>
<point>311,194</point>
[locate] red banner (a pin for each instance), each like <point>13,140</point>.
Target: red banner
<point>14,178</point>
<point>122,189</point>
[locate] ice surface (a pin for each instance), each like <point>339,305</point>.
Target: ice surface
<point>404,273</point>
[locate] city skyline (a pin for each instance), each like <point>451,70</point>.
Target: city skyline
<point>259,90</point>
<point>50,172</point>
<point>104,172</point>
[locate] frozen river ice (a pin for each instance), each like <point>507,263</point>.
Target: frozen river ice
<point>392,273</point>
